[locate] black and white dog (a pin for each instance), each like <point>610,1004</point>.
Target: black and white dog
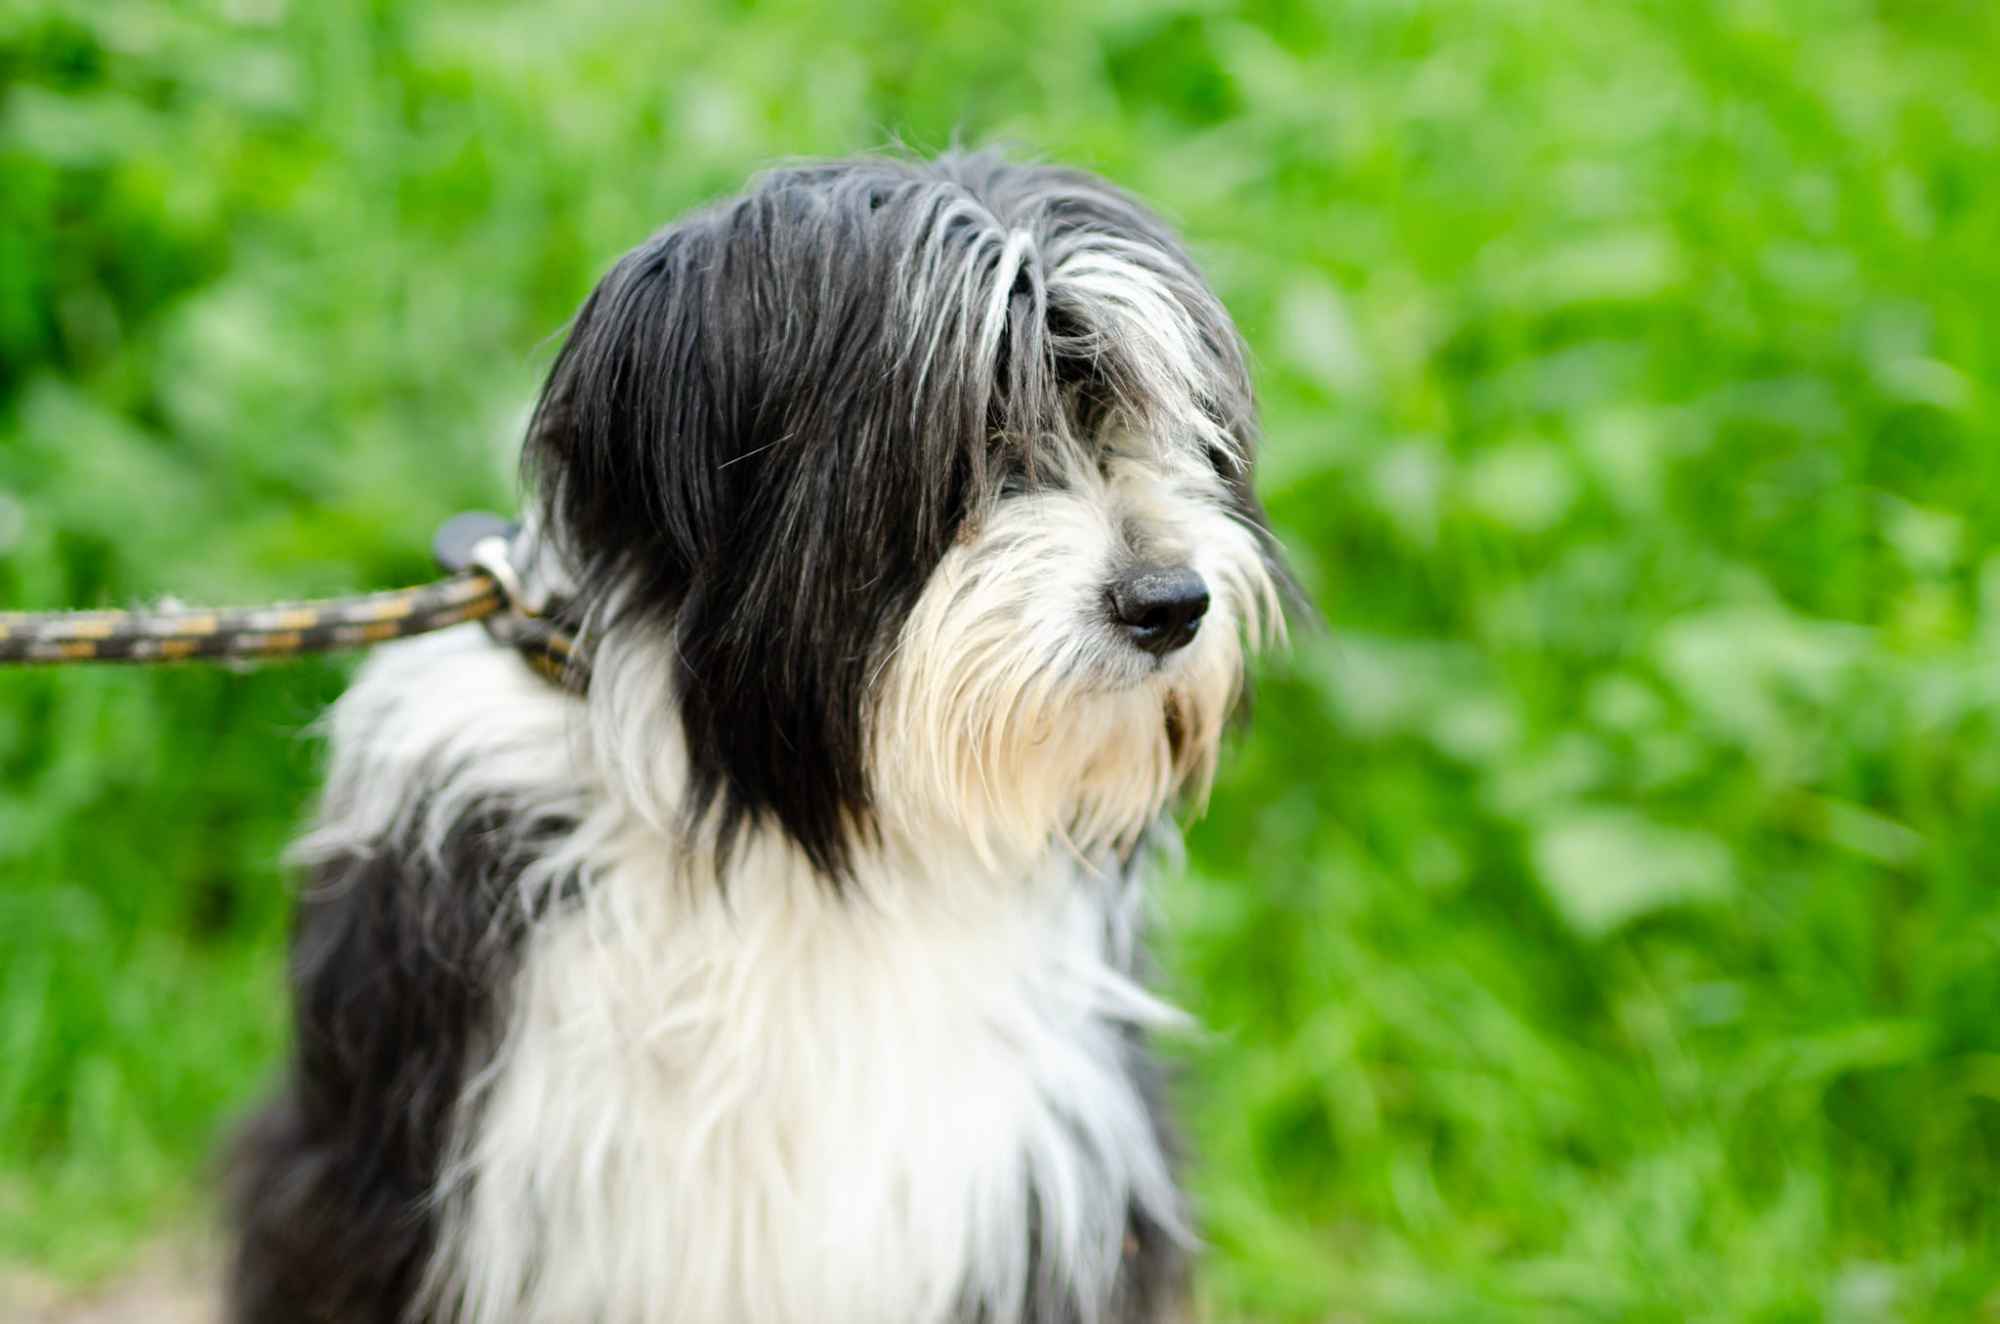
<point>793,972</point>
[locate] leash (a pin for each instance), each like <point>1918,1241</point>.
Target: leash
<point>484,585</point>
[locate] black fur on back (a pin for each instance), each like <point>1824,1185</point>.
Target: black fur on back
<point>399,958</point>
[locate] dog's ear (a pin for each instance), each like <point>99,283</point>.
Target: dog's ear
<point>737,444</point>
<point>622,445</point>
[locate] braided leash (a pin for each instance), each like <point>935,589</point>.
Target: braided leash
<point>484,586</point>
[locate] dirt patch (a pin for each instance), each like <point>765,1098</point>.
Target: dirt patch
<point>166,1287</point>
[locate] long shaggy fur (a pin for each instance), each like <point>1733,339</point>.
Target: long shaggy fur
<point>795,973</point>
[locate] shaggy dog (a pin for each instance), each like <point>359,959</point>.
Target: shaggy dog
<point>791,971</point>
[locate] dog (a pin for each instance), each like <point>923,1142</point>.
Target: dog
<point>793,971</point>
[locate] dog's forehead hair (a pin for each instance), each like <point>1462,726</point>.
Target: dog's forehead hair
<point>963,319</point>
<point>1025,308</point>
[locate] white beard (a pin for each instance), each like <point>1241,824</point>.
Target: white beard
<point>1012,715</point>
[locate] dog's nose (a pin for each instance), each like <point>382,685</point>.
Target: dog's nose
<point>1160,606</point>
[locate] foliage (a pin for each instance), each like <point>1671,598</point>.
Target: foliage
<point>1595,923</point>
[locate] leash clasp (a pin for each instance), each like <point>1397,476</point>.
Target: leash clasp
<point>479,540</point>
<point>484,542</point>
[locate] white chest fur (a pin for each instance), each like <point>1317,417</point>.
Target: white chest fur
<point>784,1105</point>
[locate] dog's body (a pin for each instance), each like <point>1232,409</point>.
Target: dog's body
<point>793,973</point>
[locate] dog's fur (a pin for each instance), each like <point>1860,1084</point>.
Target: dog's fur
<point>794,973</point>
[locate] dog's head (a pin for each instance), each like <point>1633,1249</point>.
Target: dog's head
<point>922,493</point>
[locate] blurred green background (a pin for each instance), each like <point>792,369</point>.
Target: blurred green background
<point>1598,923</point>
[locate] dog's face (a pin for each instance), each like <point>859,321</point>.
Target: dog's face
<point>929,487</point>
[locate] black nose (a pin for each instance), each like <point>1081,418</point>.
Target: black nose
<point>1160,606</point>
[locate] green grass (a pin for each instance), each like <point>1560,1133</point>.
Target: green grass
<point>1599,922</point>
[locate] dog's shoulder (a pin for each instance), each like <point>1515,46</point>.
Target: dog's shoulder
<point>447,779</point>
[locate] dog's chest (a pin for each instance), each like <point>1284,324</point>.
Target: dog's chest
<point>789,1107</point>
